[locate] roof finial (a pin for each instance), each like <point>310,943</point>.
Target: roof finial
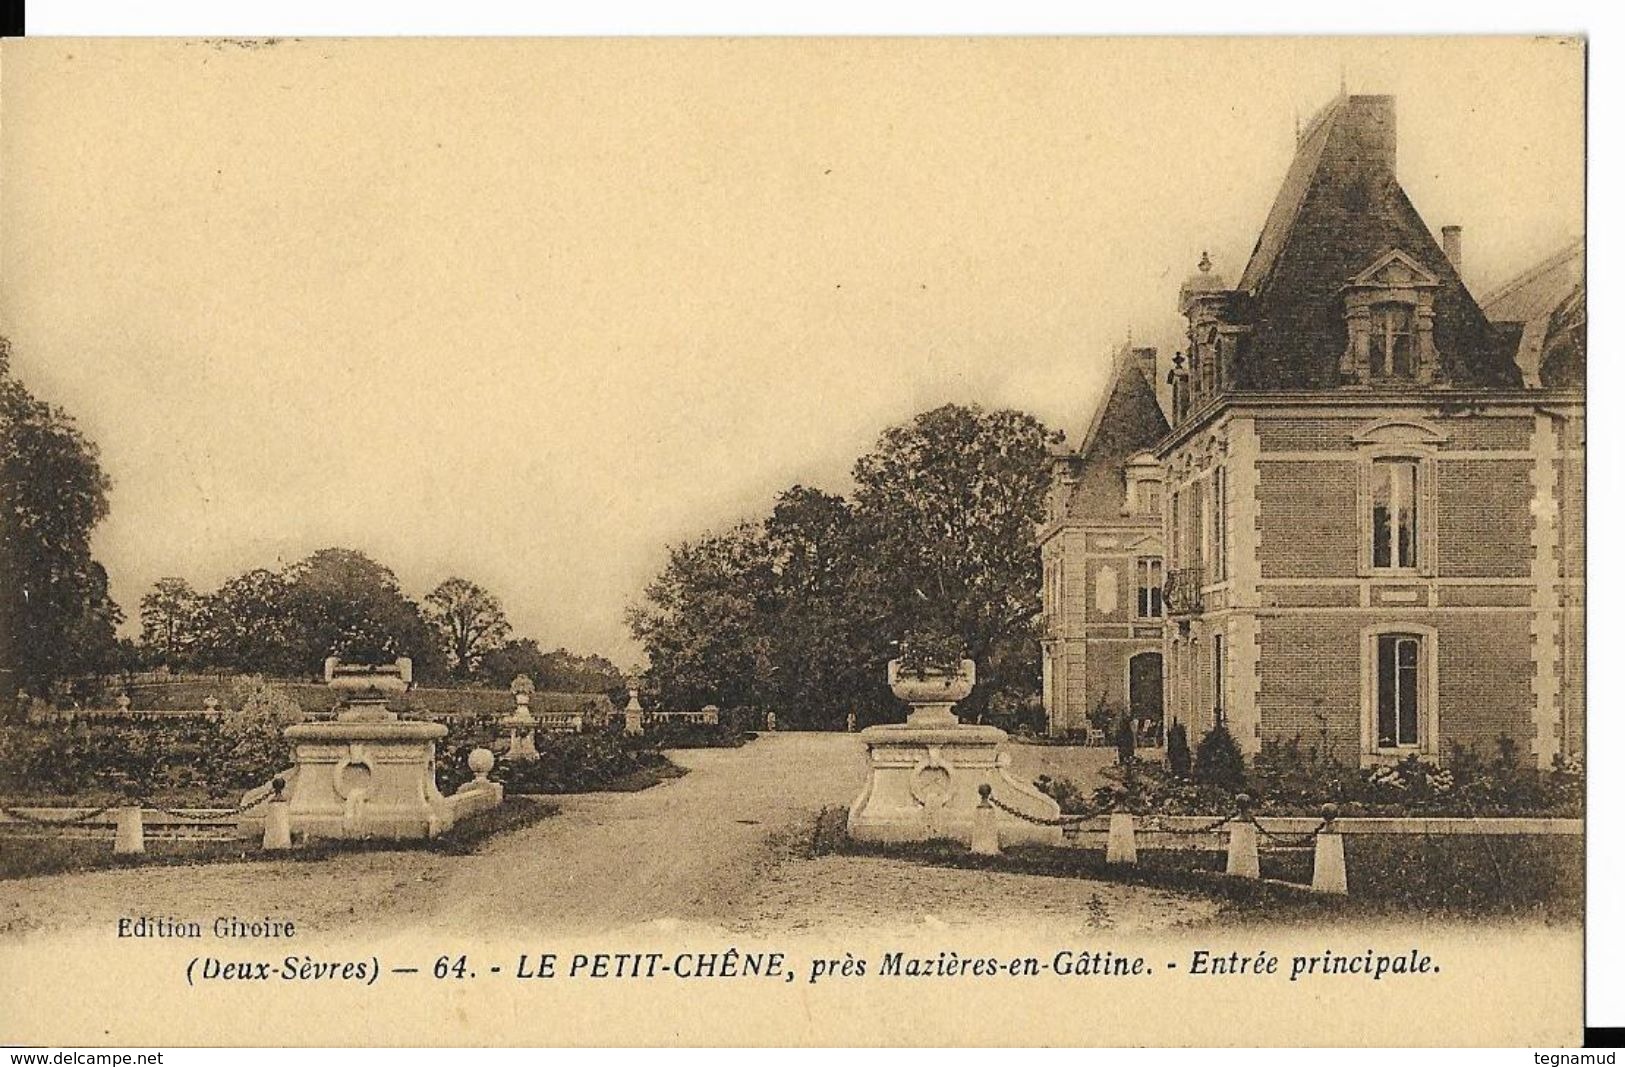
<point>1206,264</point>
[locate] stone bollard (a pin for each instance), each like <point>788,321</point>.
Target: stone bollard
<point>772,721</point>
<point>851,722</point>
<point>128,835</point>
<point>278,828</point>
<point>984,829</point>
<point>1120,847</point>
<point>1331,871</point>
<point>1241,858</point>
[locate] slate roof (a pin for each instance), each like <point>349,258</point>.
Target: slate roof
<point>1545,307</point>
<point>1128,420</point>
<point>1339,208</point>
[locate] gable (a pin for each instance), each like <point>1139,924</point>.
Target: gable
<point>1395,270</point>
<point>1351,219</point>
<point>1129,421</point>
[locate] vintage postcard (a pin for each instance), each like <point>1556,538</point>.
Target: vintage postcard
<point>1020,541</point>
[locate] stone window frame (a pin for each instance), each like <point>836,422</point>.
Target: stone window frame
<point>1144,561</point>
<point>1394,278</point>
<point>1428,744</point>
<point>1141,470</point>
<point>1390,439</point>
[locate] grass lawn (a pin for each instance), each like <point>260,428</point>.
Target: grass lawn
<point>1538,878</point>
<point>26,855</point>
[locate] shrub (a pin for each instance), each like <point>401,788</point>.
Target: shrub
<point>251,746</point>
<point>694,735</point>
<point>1065,792</point>
<point>576,763</point>
<point>1179,750</point>
<point>1218,759</point>
<point>925,652</point>
<point>1125,740</point>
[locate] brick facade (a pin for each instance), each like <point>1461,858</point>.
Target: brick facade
<point>1372,523</point>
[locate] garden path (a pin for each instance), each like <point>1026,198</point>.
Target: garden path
<point>722,847</point>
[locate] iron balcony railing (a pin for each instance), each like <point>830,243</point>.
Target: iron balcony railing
<point>1182,591</point>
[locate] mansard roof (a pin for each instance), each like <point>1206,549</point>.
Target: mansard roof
<point>1128,420</point>
<point>1339,210</point>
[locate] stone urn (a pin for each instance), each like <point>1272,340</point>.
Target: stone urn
<point>925,774</point>
<point>634,712</point>
<point>931,693</point>
<point>521,726</point>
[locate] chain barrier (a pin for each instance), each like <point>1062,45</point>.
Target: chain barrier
<point>68,820</point>
<point>1210,828</point>
<point>1039,820</point>
<point>1241,814</point>
<point>189,815</point>
<point>1070,821</point>
<point>1289,840</point>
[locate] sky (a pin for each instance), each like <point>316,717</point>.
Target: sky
<point>528,311</point>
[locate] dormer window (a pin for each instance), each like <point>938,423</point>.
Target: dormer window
<point>1393,341</point>
<point>1142,478</point>
<point>1389,311</point>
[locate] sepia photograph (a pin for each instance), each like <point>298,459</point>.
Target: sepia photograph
<point>794,541</point>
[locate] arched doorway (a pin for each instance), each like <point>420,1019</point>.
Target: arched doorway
<point>1145,695</point>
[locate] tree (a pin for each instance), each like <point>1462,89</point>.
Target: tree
<point>470,621</point>
<point>822,619</point>
<point>800,611</point>
<point>700,628</point>
<point>341,603</point>
<point>952,504</point>
<point>171,616</point>
<point>559,671</point>
<point>56,617</point>
<point>247,626</point>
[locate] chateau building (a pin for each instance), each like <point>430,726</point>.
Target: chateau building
<point>1372,493</point>
<point>1102,549</point>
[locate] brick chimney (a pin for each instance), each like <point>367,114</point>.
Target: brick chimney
<point>1146,360</point>
<point>1375,133</point>
<point>1450,239</point>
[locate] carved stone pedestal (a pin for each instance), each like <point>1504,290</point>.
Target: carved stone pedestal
<point>374,779</point>
<point>925,775</point>
<point>367,774</point>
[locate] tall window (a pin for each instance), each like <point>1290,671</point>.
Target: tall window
<point>1218,679</point>
<point>1150,574</point>
<point>1221,520</point>
<point>1177,558</point>
<point>1398,715</point>
<point>1393,341</point>
<point>1393,514</point>
<point>1150,498</point>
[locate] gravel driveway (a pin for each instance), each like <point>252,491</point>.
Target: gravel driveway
<point>719,847</point>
